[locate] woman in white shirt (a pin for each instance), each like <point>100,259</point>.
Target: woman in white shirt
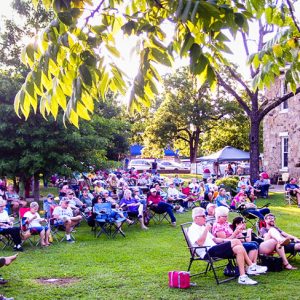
<point>34,220</point>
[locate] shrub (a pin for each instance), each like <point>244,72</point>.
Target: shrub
<point>229,183</point>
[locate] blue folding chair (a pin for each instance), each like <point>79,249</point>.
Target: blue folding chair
<point>107,221</point>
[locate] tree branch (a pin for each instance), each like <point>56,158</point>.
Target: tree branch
<point>96,10</point>
<point>292,14</point>
<point>239,79</point>
<point>263,112</point>
<point>230,90</point>
<point>252,72</point>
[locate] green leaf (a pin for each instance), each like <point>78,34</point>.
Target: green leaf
<point>161,57</point>
<point>113,50</point>
<point>277,49</point>
<point>82,111</point>
<point>188,42</point>
<point>85,75</point>
<point>30,53</point>
<point>65,17</point>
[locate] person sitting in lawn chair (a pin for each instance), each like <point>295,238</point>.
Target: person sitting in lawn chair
<point>290,242</point>
<point>199,235</point>
<point>266,246</point>
<point>158,205</point>
<point>223,198</point>
<point>293,188</point>
<point>115,212</point>
<point>13,200</point>
<point>174,196</point>
<point>262,185</point>
<point>133,207</point>
<point>223,229</point>
<point>7,228</point>
<point>33,220</point>
<point>65,219</point>
<point>245,207</point>
<point>75,203</point>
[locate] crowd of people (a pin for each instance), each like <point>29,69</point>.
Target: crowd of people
<point>134,195</point>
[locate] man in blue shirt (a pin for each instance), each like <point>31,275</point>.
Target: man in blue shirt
<point>293,189</point>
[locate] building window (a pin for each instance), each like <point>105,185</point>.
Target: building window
<point>285,105</point>
<point>284,152</point>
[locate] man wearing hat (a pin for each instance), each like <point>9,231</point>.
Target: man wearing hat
<point>158,205</point>
<point>64,217</point>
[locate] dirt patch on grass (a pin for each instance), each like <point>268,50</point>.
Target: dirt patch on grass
<point>57,281</point>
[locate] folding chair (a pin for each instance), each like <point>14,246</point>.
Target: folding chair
<point>5,241</point>
<point>250,218</point>
<point>108,221</point>
<point>192,200</point>
<point>35,241</point>
<point>210,261</point>
<point>158,216</point>
<point>55,228</point>
<point>289,198</point>
<point>284,177</point>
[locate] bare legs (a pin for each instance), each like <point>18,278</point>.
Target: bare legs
<point>241,255</point>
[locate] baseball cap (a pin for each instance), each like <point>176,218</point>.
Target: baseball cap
<point>50,196</point>
<point>153,190</point>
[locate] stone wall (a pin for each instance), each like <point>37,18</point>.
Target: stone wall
<point>277,124</point>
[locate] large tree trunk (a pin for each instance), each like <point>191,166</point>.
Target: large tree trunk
<point>36,187</point>
<point>194,144</point>
<point>254,149</point>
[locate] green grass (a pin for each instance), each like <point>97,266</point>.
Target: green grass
<point>136,267</point>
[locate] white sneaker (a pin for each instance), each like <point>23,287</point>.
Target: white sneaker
<point>244,279</point>
<point>256,269</point>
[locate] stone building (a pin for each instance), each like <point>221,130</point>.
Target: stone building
<point>281,134</point>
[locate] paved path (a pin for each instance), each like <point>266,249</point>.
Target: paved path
<point>276,188</point>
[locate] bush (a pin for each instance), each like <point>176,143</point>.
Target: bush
<point>229,183</point>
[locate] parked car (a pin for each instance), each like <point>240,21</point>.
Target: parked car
<point>172,165</point>
<point>143,164</point>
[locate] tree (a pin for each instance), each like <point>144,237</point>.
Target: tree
<point>51,147</point>
<point>186,113</point>
<point>278,56</point>
<point>12,34</point>
<point>73,64</point>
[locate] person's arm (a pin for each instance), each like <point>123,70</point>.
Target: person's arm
<point>289,236</point>
<point>200,241</point>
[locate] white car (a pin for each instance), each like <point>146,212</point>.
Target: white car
<point>143,164</point>
<point>174,166</point>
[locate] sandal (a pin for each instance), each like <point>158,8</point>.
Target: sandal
<point>285,242</point>
<point>289,267</point>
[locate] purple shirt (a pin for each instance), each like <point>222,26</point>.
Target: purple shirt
<point>130,201</point>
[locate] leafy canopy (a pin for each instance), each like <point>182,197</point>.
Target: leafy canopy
<point>72,60</point>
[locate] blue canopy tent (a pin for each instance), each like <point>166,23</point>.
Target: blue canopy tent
<point>228,153</point>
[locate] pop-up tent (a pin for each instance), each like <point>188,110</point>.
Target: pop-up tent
<point>228,153</point>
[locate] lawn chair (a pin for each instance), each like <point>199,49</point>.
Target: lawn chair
<point>108,221</point>
<point>289,198</point>
<point>250,218</point>
<point>5,241</point>
<point>284,177</point>
<point>192,199</point>
<point>33,238</point>
<point>158,216</point>
<point>210,261</point>
<point>56,229</point>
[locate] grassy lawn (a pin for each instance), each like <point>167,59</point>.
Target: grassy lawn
<point>136,267</point>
